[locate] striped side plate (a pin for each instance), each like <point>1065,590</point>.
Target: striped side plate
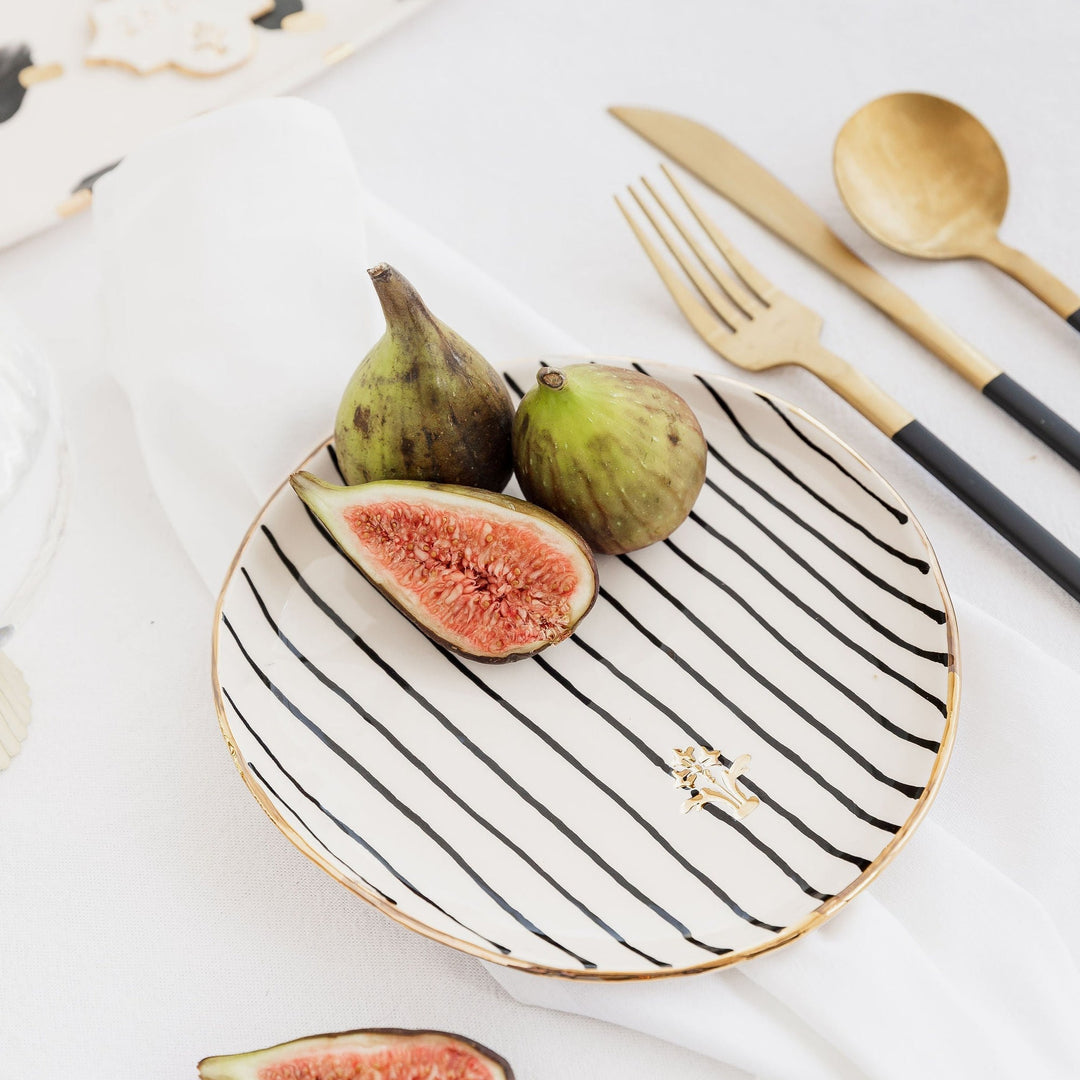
<point>528,813</point>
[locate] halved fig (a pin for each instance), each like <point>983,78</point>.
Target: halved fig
<point>375,1054</point>
<point>487,575</point>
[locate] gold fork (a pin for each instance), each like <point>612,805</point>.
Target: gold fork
<point>752,324</point>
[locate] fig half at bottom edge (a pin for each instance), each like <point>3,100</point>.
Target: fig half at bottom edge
<point>363,1055</point>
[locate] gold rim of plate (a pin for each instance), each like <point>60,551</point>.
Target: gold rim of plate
<point>793,932</point>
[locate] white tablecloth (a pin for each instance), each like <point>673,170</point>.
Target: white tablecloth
<point>149,914</point>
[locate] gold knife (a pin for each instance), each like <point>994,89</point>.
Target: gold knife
<point>726,169</point>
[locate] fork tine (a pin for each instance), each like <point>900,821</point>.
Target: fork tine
<point>728,312</point>
<point>757,284</point>
<point>697,314</point>
<point>734,289</point>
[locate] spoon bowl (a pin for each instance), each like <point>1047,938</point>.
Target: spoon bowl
<point>924,177</point>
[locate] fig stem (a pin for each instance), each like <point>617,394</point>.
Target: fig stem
<point>551,377</point>
<point>400,302</point>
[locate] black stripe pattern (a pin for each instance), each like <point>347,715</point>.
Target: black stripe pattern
<point>528,810</point>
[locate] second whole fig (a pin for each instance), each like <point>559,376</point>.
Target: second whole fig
<point>616,454</point>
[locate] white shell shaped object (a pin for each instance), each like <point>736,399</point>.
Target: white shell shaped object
<point>738,737</point>
<point>200,37</point>
<point>14,710</point>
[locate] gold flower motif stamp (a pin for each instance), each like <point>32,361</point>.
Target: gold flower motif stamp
<point>709,780</point>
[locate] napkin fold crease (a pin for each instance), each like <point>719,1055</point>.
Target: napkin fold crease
<point>234,251</point>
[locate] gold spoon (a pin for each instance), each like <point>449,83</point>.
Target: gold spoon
<point>925,178</point>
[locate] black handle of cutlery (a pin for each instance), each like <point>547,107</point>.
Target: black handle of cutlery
<point>1074,319</point>
<point>1038,418</point>
<point>1044,549</point>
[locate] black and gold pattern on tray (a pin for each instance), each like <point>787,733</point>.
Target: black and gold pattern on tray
<point>14,59</point>
<point>87,182</point>
<point>292,16</point>
<point>282,9</point>
<point>527,813</point>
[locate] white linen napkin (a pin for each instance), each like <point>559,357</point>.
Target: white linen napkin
<point>233,254</point>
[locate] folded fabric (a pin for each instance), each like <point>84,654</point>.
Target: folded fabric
<point>234,255</point>
<point>949,965</point>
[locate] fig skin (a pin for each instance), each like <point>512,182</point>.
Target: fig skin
<point>544,613</point>
<point>423,404</point>
<point>248,1066</point>
<point>616,454</point>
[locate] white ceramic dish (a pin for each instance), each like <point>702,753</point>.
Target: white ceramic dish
<point>528,813</point>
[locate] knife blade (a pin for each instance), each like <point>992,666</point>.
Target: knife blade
<point>751,187</point>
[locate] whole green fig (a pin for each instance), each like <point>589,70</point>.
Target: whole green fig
<point>616,454</point>
<point>423,404</point>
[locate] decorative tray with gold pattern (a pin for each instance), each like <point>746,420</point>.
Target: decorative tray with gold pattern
<point>81,84</point>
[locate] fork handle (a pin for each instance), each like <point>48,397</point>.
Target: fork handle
<point>1044,549</point>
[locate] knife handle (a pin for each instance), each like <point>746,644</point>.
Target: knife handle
<point>1038,418</point>
<point>1021,530</point>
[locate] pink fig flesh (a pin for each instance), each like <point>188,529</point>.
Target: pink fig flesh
<point>489,576</point>
<point>375,1054</point>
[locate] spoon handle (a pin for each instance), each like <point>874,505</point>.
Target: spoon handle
<point>1044,549</point>
<point>1035,278</point>
<point>1038,418</point>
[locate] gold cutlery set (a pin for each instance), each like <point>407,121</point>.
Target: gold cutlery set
<point>924,177</point>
